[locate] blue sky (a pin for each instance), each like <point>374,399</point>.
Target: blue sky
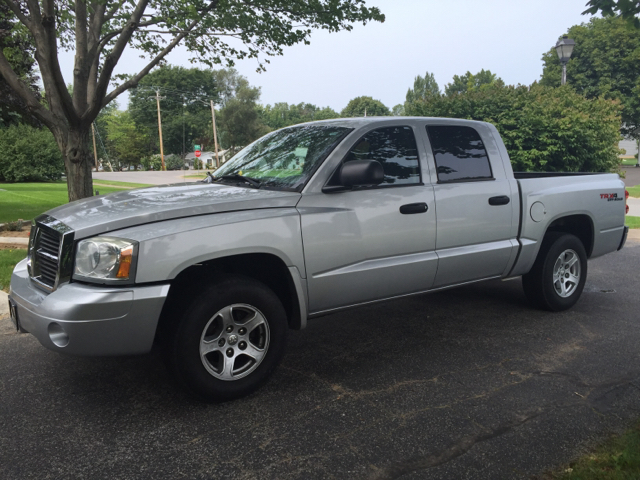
<point>446,38</point>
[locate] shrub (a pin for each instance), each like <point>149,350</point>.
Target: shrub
<point>543,128</point>
<point>173,162</point>
<point>13,226</point>
<point>29,154</point>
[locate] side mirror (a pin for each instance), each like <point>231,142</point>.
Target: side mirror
<point>357,173</point>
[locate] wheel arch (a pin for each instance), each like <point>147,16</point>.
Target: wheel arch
<point>266,268</point>
<point>580,225</point>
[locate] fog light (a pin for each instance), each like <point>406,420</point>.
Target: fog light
<point>57,335</point>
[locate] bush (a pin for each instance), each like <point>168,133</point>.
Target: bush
<point>197,164</point>
<point>29,154</point>
<point>13,226</point>
<point>152,163</point>
<point>173,162</point>
<point>544,128</point>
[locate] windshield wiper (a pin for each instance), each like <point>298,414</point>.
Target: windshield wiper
<point>236,176</point>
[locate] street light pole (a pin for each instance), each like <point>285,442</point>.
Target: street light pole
<point>564,49</point>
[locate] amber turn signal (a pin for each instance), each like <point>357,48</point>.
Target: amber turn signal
<point>126,256</point>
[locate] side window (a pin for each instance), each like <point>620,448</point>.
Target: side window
<point>395,148</point>
<point>459,153</point>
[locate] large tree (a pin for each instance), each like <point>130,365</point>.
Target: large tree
<point>213,31</point>
<point>282,114</point>
<point>186,114</point>
<point>627,9</point>
<point>361,106</point>
<point>239,121</point>
<point>544,128</point>
<point>423,88</point>
<point>14,43</point>
<point>469,82</point>
<point>605,62</point>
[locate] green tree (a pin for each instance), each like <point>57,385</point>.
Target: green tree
<point>543,128</point>
<point>605,62</point>
<point>127,142</point>
<point>423,88</point>
<point>468,82</point>
<point>14,43</point>
<point>185,110</point>
<point>282,114</point>
<point>627,9</point>
<point>212,31</point>
<point>29,154</point>
<point>360,106</point>
<point>239,121</point>
<point>398,110</point>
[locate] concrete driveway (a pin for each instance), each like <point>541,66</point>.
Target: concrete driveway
<point>469,383</point>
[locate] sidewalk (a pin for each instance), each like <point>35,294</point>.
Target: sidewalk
<point>21,242</point>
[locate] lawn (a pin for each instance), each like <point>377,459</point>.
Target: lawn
<point>634,191</point>
<point>632,222</point>
<point>8,260</point>
<point>629,161</point>
<point>616,459</point>
<point>28,200</point>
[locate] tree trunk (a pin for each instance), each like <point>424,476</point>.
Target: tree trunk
<point>77,163</point>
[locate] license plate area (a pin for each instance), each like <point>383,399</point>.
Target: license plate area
<point>13,313</point>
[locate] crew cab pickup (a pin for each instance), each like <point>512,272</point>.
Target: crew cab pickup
<point>305,221</point>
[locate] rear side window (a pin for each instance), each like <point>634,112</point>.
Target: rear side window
<point>395,148</point>
<point>459,154</point>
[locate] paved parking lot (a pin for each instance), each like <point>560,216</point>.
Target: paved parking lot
<point>469,383</point>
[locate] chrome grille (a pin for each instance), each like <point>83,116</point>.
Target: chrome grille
<point>50,244</point>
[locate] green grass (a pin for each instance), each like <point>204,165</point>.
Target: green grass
<point>113,183</point>
<point>629,161</point>
<point>28,200</point>
<point>634,191</point>
<point>632,222</point>
<point>8,260</point>
<point>616,459</point>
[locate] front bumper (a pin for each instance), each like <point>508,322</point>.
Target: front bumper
<point>88,320</point>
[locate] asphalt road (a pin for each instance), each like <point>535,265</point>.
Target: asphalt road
<point>469,383</point>
<point>153,178</point>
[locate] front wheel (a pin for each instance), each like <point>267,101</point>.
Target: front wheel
<point>229,341</point>
<point>558,275</point>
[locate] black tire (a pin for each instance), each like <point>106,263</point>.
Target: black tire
<point>546,288</point>
<point>238,298</point>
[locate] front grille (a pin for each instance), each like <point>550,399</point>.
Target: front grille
<point>47,256</point>
<point>50,245</point>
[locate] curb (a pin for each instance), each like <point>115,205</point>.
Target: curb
<point>4,304</point>
<point>14,241</point>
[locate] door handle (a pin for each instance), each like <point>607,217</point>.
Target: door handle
<point>411,208</point>
<point>501,200</point>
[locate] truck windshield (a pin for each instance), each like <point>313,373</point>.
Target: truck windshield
<point>285,158</point>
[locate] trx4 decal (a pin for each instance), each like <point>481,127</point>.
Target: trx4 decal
<point>610,197</point>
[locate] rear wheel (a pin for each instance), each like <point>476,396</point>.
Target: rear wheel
<point>559,273</point>
<point>229,341</point>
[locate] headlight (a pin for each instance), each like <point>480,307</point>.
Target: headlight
<point>106,259</point>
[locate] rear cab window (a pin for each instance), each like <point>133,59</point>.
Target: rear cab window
<point>459,153</point>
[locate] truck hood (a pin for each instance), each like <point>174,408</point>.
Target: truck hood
<point>105,213</point>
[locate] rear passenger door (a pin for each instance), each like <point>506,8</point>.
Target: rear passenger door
<point>473,205</point>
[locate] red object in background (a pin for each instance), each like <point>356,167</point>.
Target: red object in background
<point>198,153</point>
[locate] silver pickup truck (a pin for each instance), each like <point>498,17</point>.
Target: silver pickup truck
<point>305,221</point>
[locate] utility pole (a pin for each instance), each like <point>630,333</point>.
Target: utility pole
<point>95,150</point>
<point>215,135</point>
<point>158,98</point>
